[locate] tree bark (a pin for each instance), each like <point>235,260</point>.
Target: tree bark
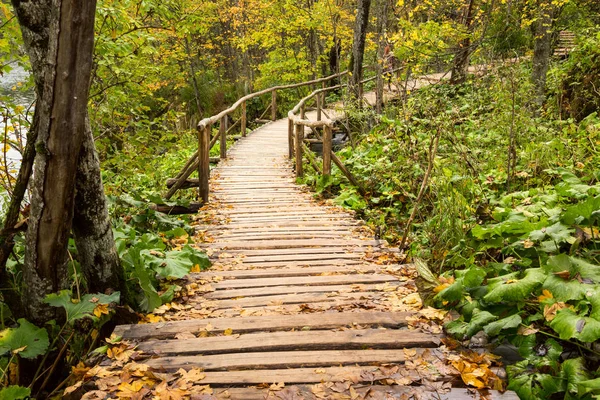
<point>542,50</point>
<point>465,48</point>
<point>382,16</point>
<point>358,46</point>
<point>62,115</point>
<point>94,239</point>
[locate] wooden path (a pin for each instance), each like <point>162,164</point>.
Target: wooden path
<point>302,301</point>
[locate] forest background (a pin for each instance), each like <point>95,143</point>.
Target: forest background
<point>489,182</point>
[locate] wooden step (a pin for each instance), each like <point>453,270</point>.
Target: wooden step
<point>268,323</point>
<point>283,359</point>
<point>373,392</point>
<point>277,290</point>
<point>285,341</point>
<point>305,281</point>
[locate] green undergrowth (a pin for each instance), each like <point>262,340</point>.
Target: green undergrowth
<point>508,221</point>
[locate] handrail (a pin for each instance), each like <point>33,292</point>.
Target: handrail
<point>200,160</point>
<point>296,125</point>
<point>215,118</point>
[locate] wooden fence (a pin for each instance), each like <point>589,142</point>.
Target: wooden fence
<point>200,160</point>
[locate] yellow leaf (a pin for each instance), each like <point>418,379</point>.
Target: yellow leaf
<point>101,309</point>
<point>545,295</point>
<point>228,332</point>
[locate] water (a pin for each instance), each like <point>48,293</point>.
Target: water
<point>8,81</point>
<point>11,94</point>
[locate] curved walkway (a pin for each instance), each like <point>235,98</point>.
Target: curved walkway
<point>302,302</point>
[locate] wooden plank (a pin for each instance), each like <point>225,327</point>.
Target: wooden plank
<point>276,264</point>
<point>343,230</point>
<point>282,359</point>
<point>273,244</point>
<point>301,257</point>
<point>304,280</point>
<point>375,392</point>
<point>291,299</point>
<point>307,307</point>
<point>280,224</point>
<point>267,323</point>
<point>357,375</point>
<point>287,341</point>
<point>274,290</point>
<point>287,272</point>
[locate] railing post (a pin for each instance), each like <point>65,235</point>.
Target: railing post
<point>243,124</point>
<point>327,148</point>
<point>274,105</point>
<point>290,138</point>
<point>223,137</point>
<point>303,112</point>
<point>203,162</point>
<point>298,142</point>
<point>318,106</point>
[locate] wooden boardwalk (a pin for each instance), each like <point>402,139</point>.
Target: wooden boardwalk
<point>302,302</point>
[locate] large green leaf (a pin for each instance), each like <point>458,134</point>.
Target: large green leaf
<point>176,263</point>
<point>589,386</point>
<point>573,372</point>
<point>28,340</point>
<point>15,393</point>
<point>568,324</point>
<point>462,329</point>
<point>511,322</point>
<point>150,298</point>
<point>558,233</point>
<point>581,212</point>
<point>532,385</point>
<point>590,273</point>
<point>565,290</point>
<point>84,308</point>
<point>514,290</point>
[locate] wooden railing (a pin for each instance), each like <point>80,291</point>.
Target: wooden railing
<point>297,124</point>
<point>200,161</point>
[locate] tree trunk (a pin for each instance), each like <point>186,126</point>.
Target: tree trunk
<point>358,46</point>
<point>94,239</point>
<point>465,48</point>
<point>542,50</point>
<point>382,16</point>
<point>62,115</point>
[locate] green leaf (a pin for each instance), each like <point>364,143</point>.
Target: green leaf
<point>565,290</point>
<point>569,324</point>
<point>581,212</point>
<point>15,393</point>
<point>474,277</point>
<point>494,328</point>
<point>150,299</point>
<point>557,232</point>
<point>29,340</point>
<point>511,290</point>
<point>532,385</point>
<point>589,386</point>
<point>573,372</point>
<point>84,308</point>
<point>463,330</point>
